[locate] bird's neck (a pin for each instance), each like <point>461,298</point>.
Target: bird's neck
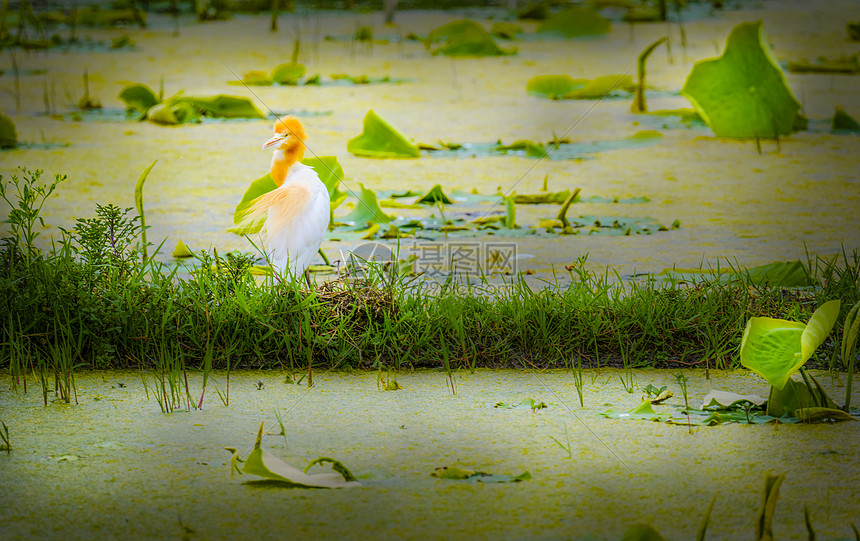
<point>284,158</point>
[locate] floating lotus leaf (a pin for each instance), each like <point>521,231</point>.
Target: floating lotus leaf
<point>641,532</point>
<point>327,168</point>
<point>776,348</point>
<point>288,74</point>
<point>564,87</point>
<point>461,474</point>
<point>725,399</point>
<point>602,86</point>
<point>465,38</point>
<point>843,121</point>
<point>171,113</point>
<point>223,106</point>
<point>575,22</point>
<point>554,87</point>
<point>264,464</point>
<point>545,198</point>
<point>138,97</point>
<point>8,133</point>
<point>367,210</point>
<point>379,139</point>
<point>643,411</point>
<point>433,196</point>
<point>743,93</point>
<point>533,150</point>
<point>257,78</point>
<point>525,404</point>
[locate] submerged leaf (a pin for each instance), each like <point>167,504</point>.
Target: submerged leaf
<point>643,411</point>
<point>554,87</point>
<point>743,93</point>
<point>575,22</point>
<point>602,86</point>
<point>526,403</point>
<point>222,106</point>
<point>725,399</point>
<point>379,139</point>
<point>257,78</point>
<point>461,474</point>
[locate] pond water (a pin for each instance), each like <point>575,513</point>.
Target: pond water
<point>114,466</point>
<point>732,203</point>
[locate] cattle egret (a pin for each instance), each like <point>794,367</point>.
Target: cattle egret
<point>297,211</point>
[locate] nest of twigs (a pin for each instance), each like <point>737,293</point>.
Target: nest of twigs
<point>358,299</point>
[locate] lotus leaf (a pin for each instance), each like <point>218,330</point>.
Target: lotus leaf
<point>575,22</point>
<point>257,78</point>
<point>554,87</point>
<point>823,414</point>
<point>776,348</point>
<point>643,411</point>
<point>8,133</point>
<point>223,106</point>
<point>843,121</point>
<point>287,74</point>
<point>725,399</point>
<point>138,97</point>
<point>327,168</point>
<point>181,251</point>
<point>264,464</point>
<point>641,532</point>
<point>367,210</point>
<point>545,198</point>
<point>743,93</point>
<point>171,113</point>
<point>533,150</point>
<point>461,474</point>
<point>433,196</point>
<point>525,404</point>
<point>602,86</point>
<point>465,38</point>
<point>506,30</point>
<point>379,139</point>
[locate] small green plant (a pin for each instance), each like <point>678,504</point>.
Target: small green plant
<point>849,350</point>
<point>26,195</point>
<point>682,382</point>
<point>566,448</point>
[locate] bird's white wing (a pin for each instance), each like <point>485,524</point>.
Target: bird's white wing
<point>297,220</point>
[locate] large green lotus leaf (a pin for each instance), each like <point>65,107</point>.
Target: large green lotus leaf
<point>288,74</point>
<point>329,171</point>
<point>575,22</point>
<point>775,348</point>
<point>264,464</point>
<point>743,93</point>
<point>780,274</point>
<point>223,106</point>
<point>379,139</point>
<point>138,97</point>
<point>367,210</point>
<point>8,133</point>
<point>554,87</point>
<point>464,38</point>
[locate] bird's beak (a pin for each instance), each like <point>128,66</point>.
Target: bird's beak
<point>276,140</point>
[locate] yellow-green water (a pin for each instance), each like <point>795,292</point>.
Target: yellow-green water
<point>114,466</point>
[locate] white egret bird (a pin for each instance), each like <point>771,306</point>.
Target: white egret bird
<point>297,211</point>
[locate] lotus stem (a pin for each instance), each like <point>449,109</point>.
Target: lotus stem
<point>562,213</point>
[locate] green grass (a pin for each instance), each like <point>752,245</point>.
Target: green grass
<point>91,301</point>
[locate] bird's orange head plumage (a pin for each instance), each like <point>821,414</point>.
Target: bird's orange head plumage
<point>289,146</point>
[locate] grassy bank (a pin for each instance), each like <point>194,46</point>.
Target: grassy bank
<point>95,301</point>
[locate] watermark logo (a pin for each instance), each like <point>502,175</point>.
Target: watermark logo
<point>464,257</point>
